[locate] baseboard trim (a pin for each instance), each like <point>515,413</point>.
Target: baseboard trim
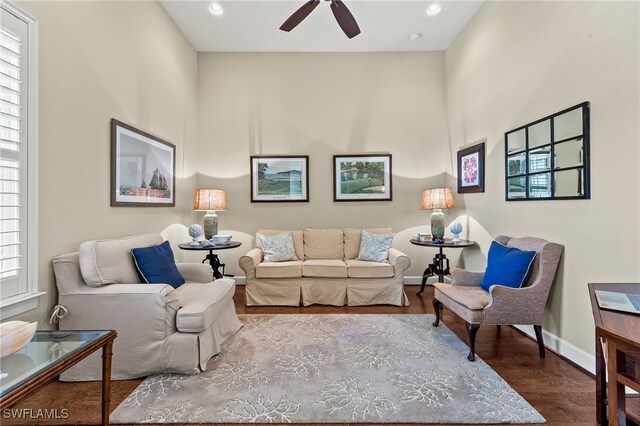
<point>568,351</point>
<point>413,280</point>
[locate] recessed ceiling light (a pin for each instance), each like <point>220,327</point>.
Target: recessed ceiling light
<point>433,9</point>
<point>215,9</point>
<point>415,36</point>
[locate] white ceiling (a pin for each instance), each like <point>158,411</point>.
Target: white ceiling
<point>253,25</point>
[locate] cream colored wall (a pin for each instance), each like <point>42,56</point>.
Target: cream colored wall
<point>321,104</point>
<point>519,61</point>
<point>101,60</point>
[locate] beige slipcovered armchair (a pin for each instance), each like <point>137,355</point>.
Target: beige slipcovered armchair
<point>160,329</point>
<point>502,305</point>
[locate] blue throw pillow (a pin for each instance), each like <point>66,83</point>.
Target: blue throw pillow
<point>156,265</point>
<point>507,266</point>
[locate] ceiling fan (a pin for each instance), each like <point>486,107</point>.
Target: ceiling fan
<point>343,16</point>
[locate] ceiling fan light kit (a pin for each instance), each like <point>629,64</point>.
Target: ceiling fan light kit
<point>343,16</point>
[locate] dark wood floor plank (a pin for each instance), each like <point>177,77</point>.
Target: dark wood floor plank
<point>563,394</point>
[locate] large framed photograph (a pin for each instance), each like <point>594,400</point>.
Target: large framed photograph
<point>471,169</point>
<point>143,168</point>
<point>362,177</point>
<point>282,178</point>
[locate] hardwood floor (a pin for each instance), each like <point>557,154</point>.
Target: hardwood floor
<point>562,393</point>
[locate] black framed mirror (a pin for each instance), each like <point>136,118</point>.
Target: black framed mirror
<point>548,159</point>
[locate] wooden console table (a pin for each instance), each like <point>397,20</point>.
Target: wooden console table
<point>617,333</point>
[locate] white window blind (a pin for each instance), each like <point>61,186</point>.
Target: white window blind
<point>16,161</point>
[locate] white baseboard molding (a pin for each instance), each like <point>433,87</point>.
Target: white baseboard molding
<point>564,348</point>
<point>567,350</point>
<point>413,280</point>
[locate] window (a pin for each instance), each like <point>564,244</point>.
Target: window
<point>18,162</point>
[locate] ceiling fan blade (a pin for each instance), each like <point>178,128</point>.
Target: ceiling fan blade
<point>299,15</point>
<point>345,19</point>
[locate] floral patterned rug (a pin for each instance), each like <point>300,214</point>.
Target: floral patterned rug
<point>333,369</point>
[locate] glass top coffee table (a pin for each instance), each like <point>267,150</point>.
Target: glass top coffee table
<point>47,355</point>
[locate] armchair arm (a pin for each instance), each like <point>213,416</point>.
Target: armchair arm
<point>514,305</point>
<point>138,311</point>
<point>462,277</point>
<point>399,260</point>
<point>196,272</point>
<point>249,261</point>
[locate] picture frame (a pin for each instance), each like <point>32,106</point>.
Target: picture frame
<point>471,169</point>
<point>143,168</point>
<point>281,178</point>
<point>364,177</point>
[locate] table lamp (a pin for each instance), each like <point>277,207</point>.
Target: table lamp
<point>437,199</point>
<point>210,200</point>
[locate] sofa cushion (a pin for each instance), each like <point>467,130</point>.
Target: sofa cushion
<point>201,303</point>
<point>507,266</point>
<point>352,238</point>
<point>156,265</point>
<point>298,244</point>
<point>278,248</point>
<point>322,244</point>
<point>362,269</point>
<point>375,247</point>
<point>291,269</point>
<point>105,262</point>
<point>474,298</point>
<point>331,268</point>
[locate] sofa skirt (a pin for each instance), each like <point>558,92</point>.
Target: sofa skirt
<point>326,291</point>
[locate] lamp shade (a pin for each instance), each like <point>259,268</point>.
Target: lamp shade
<point>210,199</point>
<point>437,198</point>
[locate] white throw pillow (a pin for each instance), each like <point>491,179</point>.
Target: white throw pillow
<point>375,247</point>
<point>278,248</point>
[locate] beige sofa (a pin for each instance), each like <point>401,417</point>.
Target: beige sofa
<point>325,273</point>
<point>160,329</point>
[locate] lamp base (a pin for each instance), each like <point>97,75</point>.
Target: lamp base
<point>210,224</point>
<point>437,224</point>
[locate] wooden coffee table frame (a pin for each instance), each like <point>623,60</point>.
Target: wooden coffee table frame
<point>54,370</point>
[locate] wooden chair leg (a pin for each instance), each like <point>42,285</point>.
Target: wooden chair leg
<point>472,329</point>
<point>538,330</point>
<point>437,307</point>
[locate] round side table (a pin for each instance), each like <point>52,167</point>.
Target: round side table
<point>440,259</point>
<point>213,259</point>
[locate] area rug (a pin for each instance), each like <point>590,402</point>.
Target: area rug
<point>333,369</point>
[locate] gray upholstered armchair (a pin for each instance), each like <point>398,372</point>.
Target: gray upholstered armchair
<point>502,305</point>
<point>160,329</point>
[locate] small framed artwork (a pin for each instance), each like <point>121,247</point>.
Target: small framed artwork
<point>143,168</point>
<point>471,169</point>
<point>282,178</point>
<point>362,177</point>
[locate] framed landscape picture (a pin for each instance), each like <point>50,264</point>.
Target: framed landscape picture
<point>471,169</point>
<point>279,179</point>
<point>362,177</point>
<point>143,168</point>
